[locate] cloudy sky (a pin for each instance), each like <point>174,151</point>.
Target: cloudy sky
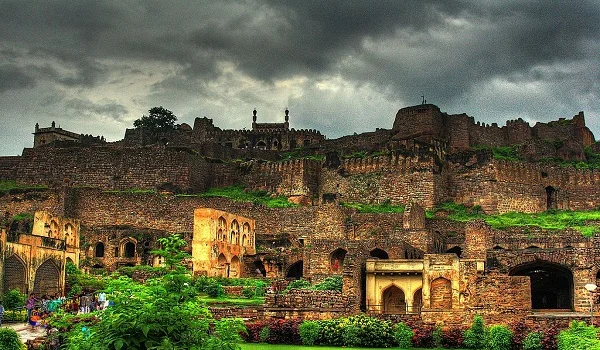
<point>339,66</point>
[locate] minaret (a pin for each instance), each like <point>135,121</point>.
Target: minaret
<point>254,119</point>
<point>286,125</point>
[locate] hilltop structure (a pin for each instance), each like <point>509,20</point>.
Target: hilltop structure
<point>405,264</point>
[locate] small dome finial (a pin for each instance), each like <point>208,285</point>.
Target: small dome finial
<point>254,115</point>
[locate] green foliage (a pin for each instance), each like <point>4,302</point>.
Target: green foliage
<point>158,119</point>
<point>384,207</point>
<point>578,336</point>
<point>297,284</point>
<point>499,337</point>
<point>403,335</point>
<point>23,217</point>
<point>248,292</point>
<point>475,335</point>
<point>10,340</point>
<point>509,153</point>
<point>533,341</point>
<point>172,252</point>
<point>214,290</point>
<point>264,334</point>
<point>80,281</point>
<point>11,186</point>
<point>309,332</point>
<point>13,299</point>
<point>437,336</point>
<point>226,334</point>
<point>330,283</point>
<point>296,154</point>
<point>240,194</point>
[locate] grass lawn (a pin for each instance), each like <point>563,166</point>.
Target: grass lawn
<point>262,346</point>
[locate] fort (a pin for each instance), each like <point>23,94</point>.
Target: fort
<point>120,197</point>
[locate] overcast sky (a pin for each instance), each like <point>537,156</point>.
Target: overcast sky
<point>339,66</point>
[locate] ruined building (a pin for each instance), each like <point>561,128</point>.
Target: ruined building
<point>418,263</point>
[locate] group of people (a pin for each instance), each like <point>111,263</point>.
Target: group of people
<point>39,309</point>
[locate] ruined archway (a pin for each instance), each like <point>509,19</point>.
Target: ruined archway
<point>259,269</point>
<point>223,265</point>
<point>456,250</point>
<point>129,250</point>
<point>379,253</point>
<point>336,259</point>
<point>14,274</point>
<point>417,301</point>
<point>295,270</point>
<point>234,267</point>
<point>551,198</point>
<point>47,279</point>
<point>441,294</point>
<point>99,250</point>
<point>394,300</point>
<point>551,284</point>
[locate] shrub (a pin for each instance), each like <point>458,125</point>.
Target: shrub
<point>214,290</point>
<point>330,283</point>
<point>309,332</point>
<point>452,337</point>
<point>10,340</point>
<point>423,337</point>
<point>533,341</point>
<point>549,338</point>
<point>403,335</point>
<point>297,284</point>
<point>437,336</point>
<point>578,336</point>
<point>474,337</point>
<point>248,292</point>
<point>499,337</point>
<point>331,333</point>
<point>519,330</point>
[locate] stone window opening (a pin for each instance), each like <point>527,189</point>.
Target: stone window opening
<point>53,229</point>
<point>551,284</point>
<point>336,260</point>
<point>456,250</point>
<point>99,250</point>
<point>417,302</point>
<point>379,254</point>
<point>129,250</point>
<point>498,248</point>
<point>296,270</point>
<point>259,269</point>
<point>234,267</point>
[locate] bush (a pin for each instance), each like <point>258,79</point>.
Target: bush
<point>533,341</point>
<point>284,332</point>
<point>475,335</point>
<point>452,337</point>
<point>249,292</point>
<point>331,333</point>
<point>214,290</point>
<point>549,338</point>
<point>423,337</point>
<point>403,335</point>
<point>330,283</point>
<point>14,299</point>
<point>499,337</point>
<point>309,332</point>
<point>297,284</point>
<point>519,330</point>
<point>578,336</point>
<point>10,340</point>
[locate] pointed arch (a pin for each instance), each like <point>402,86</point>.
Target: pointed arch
<point>295,270</point>
<point>99,250</point>
<point>336,259</point>
<point>15,274</point>
<point>244,240</point>
<point>394,300</point>
<point>129,251</point>
<point>417,301</point>
<point>379,253</point>
<point>441,294</point>
<point>259,269</point>
<point>234,267</point>
<point>498,248</point>
<point>54,229</point>
<point>47,278</point>
<point>551,202</point>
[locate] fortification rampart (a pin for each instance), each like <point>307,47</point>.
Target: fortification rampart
<point>8,167</point>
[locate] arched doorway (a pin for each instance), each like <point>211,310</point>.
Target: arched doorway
<point>99,250</point>
<point>295,270</point>
<point>456,250</point>
<point>259,269</point>
<point>379,253</point>
<point>234,268</point>
<point>441,294</point>
<point>223,267</point>
<point>394,301</point>
<point>551,284</point>
<point>551,198</point>
<point>14,274</point>
<point>129,250</point>
<point>417,301</point>
<point>336,259</point>
<point>47,279</point>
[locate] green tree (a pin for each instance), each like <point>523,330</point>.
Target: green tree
<point>172,251</point>
<point>476,334</point>
<point>158,119</point>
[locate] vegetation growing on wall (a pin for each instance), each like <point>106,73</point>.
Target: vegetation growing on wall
<point>384,207</point>
<point>11,186</point>
<point>241,194</point>
<point>510,153</point>
<point>550,220</point>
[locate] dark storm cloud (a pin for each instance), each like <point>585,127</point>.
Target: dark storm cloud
<point>13,77</point>
<point>86,108</point>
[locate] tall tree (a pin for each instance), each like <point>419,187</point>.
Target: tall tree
<point>158,119</point>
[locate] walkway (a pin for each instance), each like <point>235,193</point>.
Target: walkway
<point>25,331</point>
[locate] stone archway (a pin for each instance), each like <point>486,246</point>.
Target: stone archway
<point>441,294</point>
<point>99,250</point>
<point>417,301</point>
<point>551,284</point>
<point>336,259</point>
<point>394,300</point>
<point>234,268</point>
<point>15,275</point>
<point>456,250</point>
<point>129,250</point>
<point>47,279</point>
<point>223,265</point>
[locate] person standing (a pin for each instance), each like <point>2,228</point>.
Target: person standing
<point>30,305</point>
<point>1,312</point>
